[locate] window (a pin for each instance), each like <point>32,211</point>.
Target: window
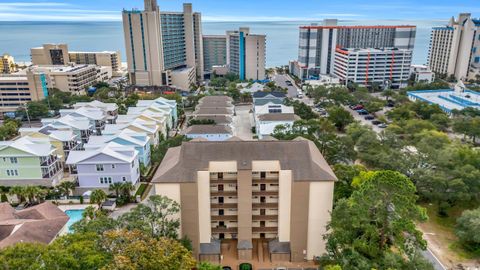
<point>477,59</point>
<point>105,180</point>
<point>13,160</point>
<point>263,174</point>
<point>124,179</point>
<point>262,212</point>
<point>220,187</point>
<point>12,172</point>
<point>262,223</point>
<point>113,166</point>
<point>99,167</point>
<point>263,200</point>
<point>220,199</point>
<point>221,212</point>
<point>220,175</point>
<point>263,187</point>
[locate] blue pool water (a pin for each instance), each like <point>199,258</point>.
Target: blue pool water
<point>74,215</point>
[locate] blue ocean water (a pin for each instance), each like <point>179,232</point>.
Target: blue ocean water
<point>16,38</point>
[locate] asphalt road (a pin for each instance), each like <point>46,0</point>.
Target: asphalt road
<point>437,265</point>
<point>280,79</point>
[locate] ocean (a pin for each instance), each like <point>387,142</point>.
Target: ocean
<point>16,38</point>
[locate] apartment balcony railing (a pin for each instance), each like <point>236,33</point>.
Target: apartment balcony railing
<point>47,161</point>
<point>265,205</point>
<point>265,192</point>
<point>224,218</point>
<point>265,180</point>
<point>223,205</point>
<point>264,229</point>
<point>220,229</point>
<point>264,217</point>
<point>223,193</point>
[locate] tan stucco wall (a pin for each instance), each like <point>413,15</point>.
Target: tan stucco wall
<point>320,206</point>
<point>171,191</point>
<point>222,166</point>
<point>299,220</point>
<point>244,193</point>
<point>265,165</point>
<point>204,220</point>
<point>284,205</point>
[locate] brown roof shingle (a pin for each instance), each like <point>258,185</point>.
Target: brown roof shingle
<point>40,223</point>
<point>182,163</point>
<point>208,129</point>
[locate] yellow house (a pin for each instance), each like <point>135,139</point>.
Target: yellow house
<point>64,141</point>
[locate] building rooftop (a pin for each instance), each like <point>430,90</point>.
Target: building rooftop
<point>264,94</point>
<point>208,129</point>
<point>278,117</point>
<point>301,156</point>
<point>219,119</point>
<point>448,99</point>
<point>34,146</point>
<point>213,111</point>
<point>40,223</point>
<point>370,50</point>
<point>121,153</point>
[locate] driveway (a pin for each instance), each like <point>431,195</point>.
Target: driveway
<point>243,122</point>
<point>280,79</point>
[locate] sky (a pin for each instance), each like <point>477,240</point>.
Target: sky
<point>242,10</point>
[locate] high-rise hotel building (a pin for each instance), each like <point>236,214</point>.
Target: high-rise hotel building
<point>249,195</point>
<point>163,48</point>
<point>386,67</point>
<point>317,44</point>
<point>241,52</point>
<point>455,48</point>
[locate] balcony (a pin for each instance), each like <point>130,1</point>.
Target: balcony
<point>265,180</point>
<point>265,205</point>
<point>47,161</point>
<point>223,193</point>
<point>265,192</point>
<point>264,229</point>
<point>223,229</point>
<point>264,217</point>
<point>223,205</point>
<point>224,218</point>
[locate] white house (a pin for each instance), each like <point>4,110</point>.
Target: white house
<point>265,124</point>
<point>209,132</point>
<point>272,108</point>
<point>97,168</point>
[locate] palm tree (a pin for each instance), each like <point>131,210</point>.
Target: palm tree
<point>117,187</point>
<point>18,191</point>
<point>3,193</point>
<point>66,187</point>
<point>89,212</point>
<point>98,196</point>
<point>127,188</point>
<point>33,193</point>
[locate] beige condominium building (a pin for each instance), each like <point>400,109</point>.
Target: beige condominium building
<point>246,54</point>
<point>19,88</point>
<point>159,43</point>
<point>73,78</point>
<point>7,64</point>
<point>249,194</point>
<point>58,54</point>
<point>455,48</point>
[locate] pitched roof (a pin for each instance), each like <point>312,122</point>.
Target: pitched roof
<point>34,146</point>
<point>212,111</point>
<point>264,94</point>
<point>216,99</point>
<point>40,223</point>
<point>278,117</point>
<point>219,119</point>
<point>302,157</point>
<point>93,113</point>
<point>122,153</point>
<point>97,104</point>
<point>208,129</point>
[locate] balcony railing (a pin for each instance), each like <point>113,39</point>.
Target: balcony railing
<point>219,229</point>
<point>223,205</point>
<point>265,205</point>
<point>264,229</point>
<point>264,217</point>
<point>265,192</point>
<point>223,193</point>
<point>224,218</point>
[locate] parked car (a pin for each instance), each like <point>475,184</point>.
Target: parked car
<point>357,107</point>
<point>382,125</point>
<point>362,112</point>
<point>390,103</point>
<point>376,122</point>
<point>369,117</point>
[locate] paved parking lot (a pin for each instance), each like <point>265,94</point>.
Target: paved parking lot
<point>280,79</point>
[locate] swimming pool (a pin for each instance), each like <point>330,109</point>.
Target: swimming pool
<point>74,215</point>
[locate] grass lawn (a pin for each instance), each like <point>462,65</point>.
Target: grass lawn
<point>440,234</point>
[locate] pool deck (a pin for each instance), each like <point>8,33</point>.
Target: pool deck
<point>66,207</point>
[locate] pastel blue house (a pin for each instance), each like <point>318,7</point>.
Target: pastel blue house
<point>140,141</point>
<point>168,105</point>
